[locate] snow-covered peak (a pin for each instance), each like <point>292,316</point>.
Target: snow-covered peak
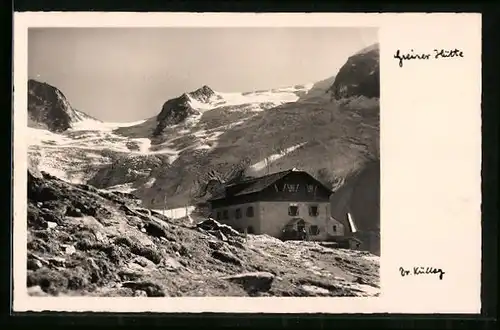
<point>211,99</point>
<point>203,94</point>
<point>205,98</point>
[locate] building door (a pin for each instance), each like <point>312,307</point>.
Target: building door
<point>301,225</point>
<point>301,229</point>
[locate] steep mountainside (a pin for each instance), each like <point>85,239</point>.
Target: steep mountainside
<point>357,84</point>
<point>85,241</point>
<point>49,108</point>
<point>360,76</point>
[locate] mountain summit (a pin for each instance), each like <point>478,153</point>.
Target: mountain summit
<point>49,108</point>
<point>177,110</point>
<point>203,94</point>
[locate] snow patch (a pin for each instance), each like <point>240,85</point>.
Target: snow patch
<point>38,136</point>
<point>144,145</point>
<point>203,147</point>
<point>150,182</point>
<point>176,213</point>
<point>96,125</point>
<point>275,97</point>
<point>124,188</point>
<point>272,158</point>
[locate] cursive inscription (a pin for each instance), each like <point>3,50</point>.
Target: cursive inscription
<point>437,54</point>
<point>422,270</point>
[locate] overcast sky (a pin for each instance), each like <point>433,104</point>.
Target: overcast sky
<point>126,74</point>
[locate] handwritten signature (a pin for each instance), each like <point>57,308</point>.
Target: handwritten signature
<point>438,54</point>
<point>426,270</point>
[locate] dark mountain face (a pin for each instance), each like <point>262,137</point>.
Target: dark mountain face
<point>202,94</point>
<point>176,110</point>
<point>173,112</point>
<point>359,76</point>
<point>48,107</point>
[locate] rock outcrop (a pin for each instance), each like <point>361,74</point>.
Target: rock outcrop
<point>49,108</point>
<point>173,112</point>
<point>359,76</point>
<point>203,94</point>
<point>177,110</point>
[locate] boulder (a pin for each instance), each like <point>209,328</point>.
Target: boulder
<point>315,290</point>
<point>151,289</point>
<point>253,282</point>
<point>212,225</point>
<point>226,257</point>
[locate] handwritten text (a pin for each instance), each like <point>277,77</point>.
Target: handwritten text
<point>437,54</point>
<point>422,270</point>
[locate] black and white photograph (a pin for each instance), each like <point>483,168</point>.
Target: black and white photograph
<point>246,163</point>
<point>167,162</point>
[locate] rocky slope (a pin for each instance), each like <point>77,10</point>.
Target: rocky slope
<point>85,241</point>
<point>48,108</point>
<point>319,90</point>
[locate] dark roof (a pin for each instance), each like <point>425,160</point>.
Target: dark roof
<point>254,185</point>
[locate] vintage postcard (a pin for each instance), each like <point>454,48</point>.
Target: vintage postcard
<point>263,163</point>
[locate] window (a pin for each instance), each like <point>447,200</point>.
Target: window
<point>311,189</point>
<point>313,210</point>
<point>237,213</point>
<point>250,230</point>
<point>218,215</point>
<point>314,230</point>
<point>225,215</point>
<point>293,210</point>
<point>291,187</point>
<point>249,211</point>
<point>334,229</point>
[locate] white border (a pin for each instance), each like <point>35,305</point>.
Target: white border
<point>430,151</point>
